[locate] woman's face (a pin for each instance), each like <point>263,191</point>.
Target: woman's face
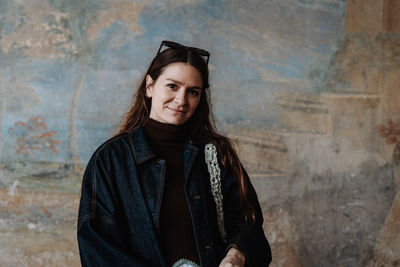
<point>175,94</point>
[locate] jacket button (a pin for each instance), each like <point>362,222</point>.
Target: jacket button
<point>207,247</point>
<point>196,197</point>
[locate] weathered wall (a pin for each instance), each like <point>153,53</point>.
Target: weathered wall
<point>315,87</point>
<point>330,172</point>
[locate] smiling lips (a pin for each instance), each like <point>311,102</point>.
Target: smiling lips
<point>176,110</point>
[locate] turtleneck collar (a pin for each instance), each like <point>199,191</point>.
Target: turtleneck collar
<point>164,132</point>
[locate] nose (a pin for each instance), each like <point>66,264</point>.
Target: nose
<point>180,97</point>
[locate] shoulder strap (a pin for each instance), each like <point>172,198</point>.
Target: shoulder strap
<point>215,181</point>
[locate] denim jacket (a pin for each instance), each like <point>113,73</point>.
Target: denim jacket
<point>119,212</point>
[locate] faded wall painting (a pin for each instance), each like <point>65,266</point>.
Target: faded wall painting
<point>308,90</point>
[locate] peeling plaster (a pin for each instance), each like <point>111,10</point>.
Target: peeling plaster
<point>43,31</point>
<point>117,11</point>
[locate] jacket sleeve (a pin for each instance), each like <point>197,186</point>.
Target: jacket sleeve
<point>248,239</point>
<point>101,239</point>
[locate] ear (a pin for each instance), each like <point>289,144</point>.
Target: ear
<point>149,85</point>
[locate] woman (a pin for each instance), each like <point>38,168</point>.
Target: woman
<point>147,199</point>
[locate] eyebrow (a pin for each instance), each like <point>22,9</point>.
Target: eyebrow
<point>178,82</point>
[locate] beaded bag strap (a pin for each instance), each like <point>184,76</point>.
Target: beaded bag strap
<point>215,180</point>
<point>185,263</point>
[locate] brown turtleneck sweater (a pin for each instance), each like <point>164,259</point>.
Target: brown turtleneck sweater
<point>177,237</point>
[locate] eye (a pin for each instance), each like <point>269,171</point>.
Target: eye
<point>194,92</point>
<point>172,85</point>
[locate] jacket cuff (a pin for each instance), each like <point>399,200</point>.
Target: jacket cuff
<point>234,245</point>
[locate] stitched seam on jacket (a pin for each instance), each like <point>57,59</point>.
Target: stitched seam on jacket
<point>88,217</point>
<point>131,144</point>
<point>93,211</point>
<point>145,158</point>
<point>107,220</point>
<point>104,145</point>
<point>207,222</point>
<point>84,219</point>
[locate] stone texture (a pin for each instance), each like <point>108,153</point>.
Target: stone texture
<point>283,238</point>
<point>262,153</point>
<point>390,107</point>
<point>336,208</point>
<point>362,16</point>
<point>117,11</point>
<point>396,166</point>
<point>388,245</point>
<point>390,16</point>
<point>37,228</point>
<point>387,251</point>
<point>354,118</point>
<point>38,214</point>
<point>41,34</point>
<point>304,113</point>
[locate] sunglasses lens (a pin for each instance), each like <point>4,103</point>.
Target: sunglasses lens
<point>174,45</point>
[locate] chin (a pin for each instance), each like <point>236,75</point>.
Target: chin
<point>176,121</point>
<point>173,119</point>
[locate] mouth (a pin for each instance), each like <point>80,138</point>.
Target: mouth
<point>177,110</point>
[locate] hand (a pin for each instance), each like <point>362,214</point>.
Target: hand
<point>234,258</point>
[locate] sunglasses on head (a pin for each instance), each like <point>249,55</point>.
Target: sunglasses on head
<point>175,45</point>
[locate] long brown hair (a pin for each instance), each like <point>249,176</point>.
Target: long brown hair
<point>202,123</point>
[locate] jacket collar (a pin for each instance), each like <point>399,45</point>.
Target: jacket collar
<point>141,147</point>
<point>142,150</point>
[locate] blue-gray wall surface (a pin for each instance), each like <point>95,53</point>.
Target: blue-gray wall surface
<point>76,64</point>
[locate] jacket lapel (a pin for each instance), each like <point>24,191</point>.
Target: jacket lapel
<point>189,157</point>
<point>150,174</point>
